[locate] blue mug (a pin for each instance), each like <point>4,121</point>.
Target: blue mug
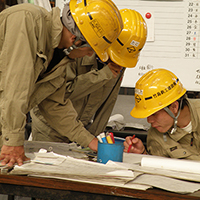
<point>112,152</point>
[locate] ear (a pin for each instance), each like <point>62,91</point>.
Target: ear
<point>73,38</point>
<point>174,107</point>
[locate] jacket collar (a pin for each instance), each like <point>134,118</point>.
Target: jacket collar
<point>89,60</point>
<point>180,133</point>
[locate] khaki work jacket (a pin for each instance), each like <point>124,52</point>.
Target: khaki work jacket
<point>28,36</point>
<point>179,144</point>
<point>93,93</point>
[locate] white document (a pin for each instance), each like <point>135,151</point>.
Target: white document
<point>156,171</point>
<point>83,171</point>
<point>129,174</point>
<point>166,183</point>
<point>72,167</point>
<point>179,165</point>
<point>164,179</point>
<point>49,158</point>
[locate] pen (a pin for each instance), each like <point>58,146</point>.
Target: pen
<point>109,139</point>
<point>99,138</point>
<point>129,148</point>
<point>112,137</point>
<point>103,137</point>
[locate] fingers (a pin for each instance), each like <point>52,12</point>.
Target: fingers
<point>116,69</point>
<point>114,73</point>
<point>11,161</point>
<point>78,43</point>
<point>4,161</point>
<point>20,160</point>
<point>133,145</point>
<point>135,140</point>
<point>126,149</point>
<point>12,154</point>
<point>128,144</point>
<point>128,140</point>
<point>2,157</point>
<point>93,144</point>
<point>26,159</point>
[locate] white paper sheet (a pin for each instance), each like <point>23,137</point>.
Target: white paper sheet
<point>167,183</point>
<point>156,171</point>
<point>48,158</point>
<point>129,174</point>
<point>171,164</point>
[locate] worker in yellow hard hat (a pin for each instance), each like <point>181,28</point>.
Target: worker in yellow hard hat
<point>126,49</point>
<point>175,120</point>
<point>93,85</point>
<point>36,46</point>
<point>96,22</point>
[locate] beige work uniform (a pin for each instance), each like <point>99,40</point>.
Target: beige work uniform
<point>179,144</point>
<point>93,93</point>
<point>28,36</point>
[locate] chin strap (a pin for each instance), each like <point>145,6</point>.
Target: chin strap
<point>67,51</point>
<point>174,117</point>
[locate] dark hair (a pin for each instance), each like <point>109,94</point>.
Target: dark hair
<point>184,102</point>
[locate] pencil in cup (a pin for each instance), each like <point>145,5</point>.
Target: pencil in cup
<point>112,137</point>
<point>106,138</point>
<point>109,139</point>
<point>103,137</point>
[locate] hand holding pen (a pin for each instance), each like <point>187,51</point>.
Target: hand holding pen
<point>129,148</point>
<point>134,145</point>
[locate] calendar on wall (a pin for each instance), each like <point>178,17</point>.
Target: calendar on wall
<point>173,40</point>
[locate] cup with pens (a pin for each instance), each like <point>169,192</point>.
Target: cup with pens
<point>109,148</point>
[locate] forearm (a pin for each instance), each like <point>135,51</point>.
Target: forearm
<point>61,116</point>
<point>87,83</point>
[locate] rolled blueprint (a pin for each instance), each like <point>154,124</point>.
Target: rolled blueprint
<point>171,164</point>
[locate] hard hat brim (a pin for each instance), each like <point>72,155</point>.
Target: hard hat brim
<point>129,63</point>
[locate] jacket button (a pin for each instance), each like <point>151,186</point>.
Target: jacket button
<point>184,152</point>
<point>6,138</point>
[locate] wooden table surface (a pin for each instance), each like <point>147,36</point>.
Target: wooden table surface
<point>49,188</point>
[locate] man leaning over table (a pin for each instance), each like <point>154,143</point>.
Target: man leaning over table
<point>91,86</point>
<point>32,74</point>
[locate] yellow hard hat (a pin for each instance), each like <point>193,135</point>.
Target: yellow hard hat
<point>100,23</point>
<point>154,91</point>
<point>126,49</point>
